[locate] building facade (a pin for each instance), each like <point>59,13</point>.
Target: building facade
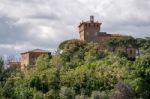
<point>132,52</point>
<point>90,31</point>
<point>29,58</point>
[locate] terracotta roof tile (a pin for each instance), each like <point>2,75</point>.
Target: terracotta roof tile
<point>36,50</point>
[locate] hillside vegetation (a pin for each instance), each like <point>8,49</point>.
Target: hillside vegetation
<point>81,70</point>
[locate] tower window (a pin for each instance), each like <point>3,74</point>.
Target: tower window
<point>85,25</point>
<point>130,51</point>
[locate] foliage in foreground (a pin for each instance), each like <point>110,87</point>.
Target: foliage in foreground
<point>80,70</point>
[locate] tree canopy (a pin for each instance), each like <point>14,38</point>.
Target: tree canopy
<point>81,70</point>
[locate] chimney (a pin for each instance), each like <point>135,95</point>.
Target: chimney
<point>91,18</point>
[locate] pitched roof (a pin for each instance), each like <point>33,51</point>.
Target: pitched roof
<point>36,50</point>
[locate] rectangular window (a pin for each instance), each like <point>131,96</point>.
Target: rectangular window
<point>130,51</point>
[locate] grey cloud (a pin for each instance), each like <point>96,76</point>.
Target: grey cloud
<point>51,17</point>
<point>45,23</point>
<point>9,32</point>
<point>12,34</point>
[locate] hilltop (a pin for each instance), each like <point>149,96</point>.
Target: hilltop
<point>81,70</point>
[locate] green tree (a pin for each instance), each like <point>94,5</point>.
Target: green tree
<point>99,95</point>
<point>140,76</point>
<point>43,62</point>
<point>93,51</point>
<point>1,65</point>
<point>67,93</point>
<point>123,91</point>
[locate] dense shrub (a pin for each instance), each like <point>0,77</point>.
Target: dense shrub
<point>81,70</point>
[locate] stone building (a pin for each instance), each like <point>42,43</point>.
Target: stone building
<point>90,31</point>
<point>29,58</point>
<point>132,52</point>
<point>15,65</point>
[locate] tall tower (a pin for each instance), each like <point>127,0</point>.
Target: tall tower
<point>88,30</point>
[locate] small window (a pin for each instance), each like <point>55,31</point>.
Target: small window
<point>130,51</point>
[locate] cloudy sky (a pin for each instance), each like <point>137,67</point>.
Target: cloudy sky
<point>29,24</point>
